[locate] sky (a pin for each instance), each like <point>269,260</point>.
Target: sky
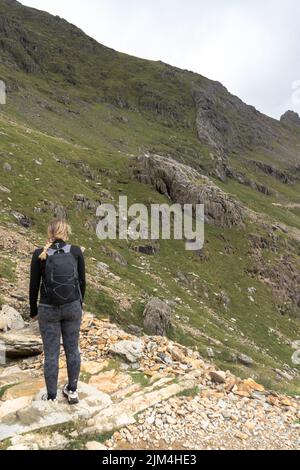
<point>251,46</point>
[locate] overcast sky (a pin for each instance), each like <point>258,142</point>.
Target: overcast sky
<point>251,46</point>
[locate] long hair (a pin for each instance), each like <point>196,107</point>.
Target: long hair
<point>57,229</point>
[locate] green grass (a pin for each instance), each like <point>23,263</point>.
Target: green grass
<point>7,269</point>
<point>4,388</point>
<point>190,392</point>
<point>139,378</point>
<point>80,442</point>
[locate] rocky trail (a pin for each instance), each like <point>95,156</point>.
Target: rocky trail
<point>137,392</point>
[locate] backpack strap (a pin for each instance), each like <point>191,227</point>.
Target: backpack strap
<point>65,249</point>
<point>51,251</point>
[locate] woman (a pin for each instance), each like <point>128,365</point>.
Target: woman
<point>58,273</point>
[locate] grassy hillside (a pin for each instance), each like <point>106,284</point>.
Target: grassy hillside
<point>77,113</point>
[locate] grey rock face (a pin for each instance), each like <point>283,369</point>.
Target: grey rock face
<point>157,317</point>
<point>185,185</point>
<point>290,117</point>
<point>226,124</point>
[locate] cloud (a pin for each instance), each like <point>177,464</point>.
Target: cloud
<point>252,47</point>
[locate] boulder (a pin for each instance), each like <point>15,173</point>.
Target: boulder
<point>22,219</point>
<point>245,360</point>
<point>218,376</point>
<point>10,319</point>
<point>131,351</point>
<point>21,343</point>
<point>149,248</point>
<point>157,317</point>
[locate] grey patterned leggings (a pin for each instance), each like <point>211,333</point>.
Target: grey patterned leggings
<point>55,322</point>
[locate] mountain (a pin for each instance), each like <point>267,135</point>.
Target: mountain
<point>84,123</point>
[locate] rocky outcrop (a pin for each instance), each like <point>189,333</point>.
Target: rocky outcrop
<point>84,203</point>
<point>184,185</point>
<point>157,317</point>
<point>282,275</point>
<point>226,124</point>
<point>223,171</point>
<point>290,117</point>
<point>58,210</point>
<point>272,171</point>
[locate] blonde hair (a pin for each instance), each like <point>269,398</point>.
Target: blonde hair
<point>57,229</point>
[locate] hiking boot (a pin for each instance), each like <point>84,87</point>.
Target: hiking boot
<point>72,397</point>
<point>45,398</point>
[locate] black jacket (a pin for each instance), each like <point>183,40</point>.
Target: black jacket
<point>37,272</point>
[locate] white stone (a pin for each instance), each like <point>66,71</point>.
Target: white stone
<point>10,319</point>
<point>129,350</point>
<point>94,445</point>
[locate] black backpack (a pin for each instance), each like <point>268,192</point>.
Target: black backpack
<point>61,280</point>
